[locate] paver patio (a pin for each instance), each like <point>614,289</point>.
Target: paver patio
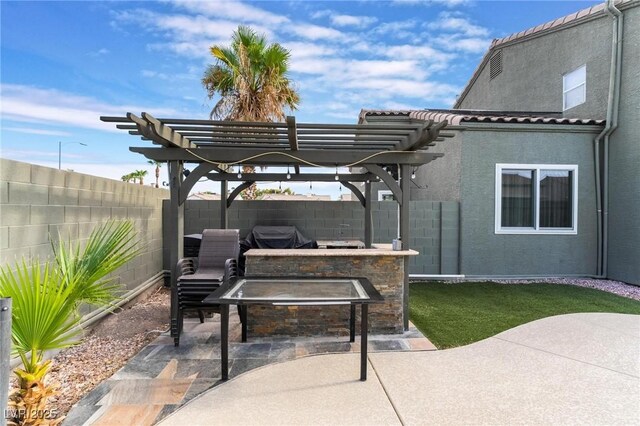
<point>162,377</point>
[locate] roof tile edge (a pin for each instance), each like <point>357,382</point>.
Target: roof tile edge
<point>577,18</point>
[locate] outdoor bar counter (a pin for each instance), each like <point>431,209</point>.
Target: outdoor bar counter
<point>383,266</point>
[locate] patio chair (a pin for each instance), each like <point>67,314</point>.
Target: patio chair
<point>199,277</point>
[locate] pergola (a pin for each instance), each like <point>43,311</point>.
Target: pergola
<point>380,151</point>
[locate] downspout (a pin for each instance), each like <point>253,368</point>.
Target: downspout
<point>602,176</point>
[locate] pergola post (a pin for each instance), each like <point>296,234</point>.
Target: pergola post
<point>224,190</point>
<point>405,180</point>
<point>176,236</point>
<point>368,218</point>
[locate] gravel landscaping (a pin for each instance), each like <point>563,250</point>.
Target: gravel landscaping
<point>615,287</point>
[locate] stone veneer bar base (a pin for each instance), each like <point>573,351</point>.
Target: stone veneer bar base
<point>382,266</point>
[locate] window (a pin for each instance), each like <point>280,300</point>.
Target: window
<point>536,199</point>
<point>574,88</point>
<point>385,195</point>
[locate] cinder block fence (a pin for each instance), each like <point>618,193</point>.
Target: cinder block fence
<point>434,224</point>
<point>37,201</point>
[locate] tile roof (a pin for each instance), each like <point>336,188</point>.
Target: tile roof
<point>456,117</point>
<point>556,24</point>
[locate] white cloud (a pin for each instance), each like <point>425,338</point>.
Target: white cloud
<point>100,52</point>
<point>232,10</point>
<point>424,52</point>
<point>32,131</point>
<point>54,107</point>
<point>342,70</point>
<point>399,106</point>
<point>385,88</point>
<point>447,3</point>
<point>352,21</point>
<point>317,32</point>
<point>301,49</point>
<point>456,22</point>
<point>465,44</point>
<point>394,27</point>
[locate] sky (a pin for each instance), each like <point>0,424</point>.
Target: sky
<point>63,64</point>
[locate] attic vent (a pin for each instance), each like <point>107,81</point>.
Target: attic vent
<point>495,65</point>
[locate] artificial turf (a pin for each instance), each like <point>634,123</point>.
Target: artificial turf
<point>457,314</point>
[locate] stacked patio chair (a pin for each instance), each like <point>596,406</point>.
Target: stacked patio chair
<point>199,277</point>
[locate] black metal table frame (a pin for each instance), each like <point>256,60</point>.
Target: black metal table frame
<point>374,297</point>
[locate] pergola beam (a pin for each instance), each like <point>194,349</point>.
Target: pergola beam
<point>388,180</point>
<point>282,177</point>
<point>265,157</point>
<point>293,138</point>
<point>238,190</point>
<point>430,134</point>
<point>354,189</point>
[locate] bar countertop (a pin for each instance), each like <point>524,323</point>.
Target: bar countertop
<point>377,250</point>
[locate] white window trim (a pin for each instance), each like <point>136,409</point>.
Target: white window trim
<point>536,229</point>
<point>382,193</point>
<point>567,89</point>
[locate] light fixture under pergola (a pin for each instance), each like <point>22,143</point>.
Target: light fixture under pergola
<point>217,146</point>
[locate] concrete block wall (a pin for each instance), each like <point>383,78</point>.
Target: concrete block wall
<point>434,225</point>
<point>36,202</point>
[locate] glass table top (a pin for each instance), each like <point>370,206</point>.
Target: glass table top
<point>298,289</point>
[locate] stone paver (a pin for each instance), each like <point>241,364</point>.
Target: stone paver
<point>161,378</point>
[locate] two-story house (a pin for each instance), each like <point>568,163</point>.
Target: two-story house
<point>545,161</point>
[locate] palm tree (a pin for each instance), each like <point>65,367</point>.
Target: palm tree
<point>140,174</point>
<point>127,177</point>
<point>46,300</point>
<point>158,164</point>
<point>251,79</point>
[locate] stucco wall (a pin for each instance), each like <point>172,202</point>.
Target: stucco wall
<point>37,201</point>
<point>531,78</point>
<point>440,179</point>
<point>486,253</point>
<point>624,163</point>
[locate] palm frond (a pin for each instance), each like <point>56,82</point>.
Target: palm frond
<point>43,310</point>
<point>251,79</point>
<point>86,271</point>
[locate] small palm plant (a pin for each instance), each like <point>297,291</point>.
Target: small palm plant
<point>46,298</point>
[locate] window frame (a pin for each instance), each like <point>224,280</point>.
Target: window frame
<point>536,229</point>
<point>566,89</point>
<point>383,192</point>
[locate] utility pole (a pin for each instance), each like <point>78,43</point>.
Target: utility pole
<point>60,151</point>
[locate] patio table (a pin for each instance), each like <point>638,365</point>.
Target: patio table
<point>296,291</point>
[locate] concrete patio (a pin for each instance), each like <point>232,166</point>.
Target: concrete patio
<point>570,369</point>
